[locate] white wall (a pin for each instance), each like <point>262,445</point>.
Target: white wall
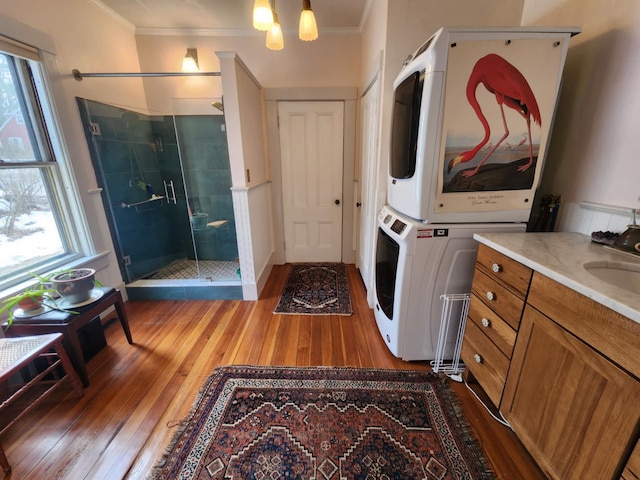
<point>329,61</point>
<point>593,155</point>
<point>374,39</point>
<point>90,40</point>
<point>245,120</point>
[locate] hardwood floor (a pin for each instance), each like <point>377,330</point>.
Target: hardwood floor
<point>139,393</point>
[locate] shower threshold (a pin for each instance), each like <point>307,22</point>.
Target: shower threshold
<point>179,281</point>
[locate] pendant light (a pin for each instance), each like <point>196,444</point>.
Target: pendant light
<point>275,41</point>
<point>308,28</point>
<point>262,15</point>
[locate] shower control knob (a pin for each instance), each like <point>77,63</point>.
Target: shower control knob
<point>477,358</point>
<point>496,267</point>
<point>486,322</point>
<point>491,296</point>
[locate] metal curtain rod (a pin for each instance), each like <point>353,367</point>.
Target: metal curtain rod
<point>79,75</point>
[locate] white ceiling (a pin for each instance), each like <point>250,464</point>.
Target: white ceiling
<point>233,16</point>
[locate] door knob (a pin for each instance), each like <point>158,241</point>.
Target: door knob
<point>358,204</point>
<point>337,202</point>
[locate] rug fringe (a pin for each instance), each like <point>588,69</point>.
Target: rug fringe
<point>473,444</point>
<point>182,426</point>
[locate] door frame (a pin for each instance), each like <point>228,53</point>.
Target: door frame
<point>347,95</point>
<point>370,203</point>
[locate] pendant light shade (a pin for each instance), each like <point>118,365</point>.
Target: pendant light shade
<point>275,41</point>
<point>262,15</point>
<point>308,28</point>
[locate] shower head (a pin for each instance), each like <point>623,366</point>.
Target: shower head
<point>218,105</point>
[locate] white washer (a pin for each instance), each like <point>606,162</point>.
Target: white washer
<point>416,263</point>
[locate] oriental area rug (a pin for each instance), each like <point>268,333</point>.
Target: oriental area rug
<point>316,289</point>
<point>323,423</point>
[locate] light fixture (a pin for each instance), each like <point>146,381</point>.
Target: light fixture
<point>190,61</point>
<point>262,15</point>
<point>275,41</point>
<point>308,28</point>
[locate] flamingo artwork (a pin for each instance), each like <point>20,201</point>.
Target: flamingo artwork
<point>510,88</point>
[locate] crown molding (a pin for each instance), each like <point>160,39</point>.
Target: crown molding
<point>365,14</point>
<point>233,32</point>
<point>113,14</point>
<point>197,32</point>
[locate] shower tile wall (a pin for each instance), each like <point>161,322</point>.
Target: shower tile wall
<point>205,161</point>
<point>133,154</point>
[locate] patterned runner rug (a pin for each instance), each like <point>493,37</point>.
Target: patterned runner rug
<point>316,289</point>
<point>323,423</point>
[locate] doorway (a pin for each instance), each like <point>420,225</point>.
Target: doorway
<point>311,136</point>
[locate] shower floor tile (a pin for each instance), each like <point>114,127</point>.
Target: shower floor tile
<point>209,269</point>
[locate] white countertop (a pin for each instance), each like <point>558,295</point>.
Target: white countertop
<point>561,256</point>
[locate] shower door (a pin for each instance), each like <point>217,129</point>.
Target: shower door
<point>204,158</point>
<point>163,220</point>
<point>134,154</point>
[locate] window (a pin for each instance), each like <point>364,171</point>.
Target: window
<point>33,212</point>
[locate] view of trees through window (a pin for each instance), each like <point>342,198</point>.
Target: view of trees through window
<point>29,232</point>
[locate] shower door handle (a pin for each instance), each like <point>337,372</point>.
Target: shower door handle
<point>171,197</point>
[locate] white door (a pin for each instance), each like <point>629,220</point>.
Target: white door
<point>367,226</point>
<point>311,149</point>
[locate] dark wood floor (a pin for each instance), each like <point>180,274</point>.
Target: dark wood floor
<point>140,392</point>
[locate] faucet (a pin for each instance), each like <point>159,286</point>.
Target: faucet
<point>629,240</point>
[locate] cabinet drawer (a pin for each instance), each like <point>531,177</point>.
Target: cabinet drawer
<point>494,327</point>
<point>485,361</point>
<point>510,273</point>
<point>632,469</point>
<point>502,301</point>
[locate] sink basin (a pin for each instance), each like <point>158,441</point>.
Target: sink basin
<point>618,274</point>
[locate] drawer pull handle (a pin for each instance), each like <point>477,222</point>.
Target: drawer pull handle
<point>477,358</point>
<point>486,322</point>
<point>496,267</point>
<point>491,296</point>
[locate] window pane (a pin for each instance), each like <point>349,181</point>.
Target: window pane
<point>28,228</point>
<point>15,134</point>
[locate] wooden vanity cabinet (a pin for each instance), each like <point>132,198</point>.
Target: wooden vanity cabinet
<point>574,410</point>
<point>562,368</point>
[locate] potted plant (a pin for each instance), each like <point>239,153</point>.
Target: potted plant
<point>74,285</point>
<point>29,301</point>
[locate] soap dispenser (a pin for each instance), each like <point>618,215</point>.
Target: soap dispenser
<point>630,238</point>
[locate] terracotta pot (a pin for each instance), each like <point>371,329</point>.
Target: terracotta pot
<point>28,304</point>
<point>75,285</point>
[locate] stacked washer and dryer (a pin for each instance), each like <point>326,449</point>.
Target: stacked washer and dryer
<point>471,122</point>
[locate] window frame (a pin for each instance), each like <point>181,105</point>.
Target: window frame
<point>53,160</point>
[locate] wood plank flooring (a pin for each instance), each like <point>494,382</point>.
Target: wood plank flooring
<point>139,393</point>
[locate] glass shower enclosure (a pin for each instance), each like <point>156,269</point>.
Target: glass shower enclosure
<point>165,183</point>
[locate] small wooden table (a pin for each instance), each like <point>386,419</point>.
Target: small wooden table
<point>16,353</point>
<point>69,323</point>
